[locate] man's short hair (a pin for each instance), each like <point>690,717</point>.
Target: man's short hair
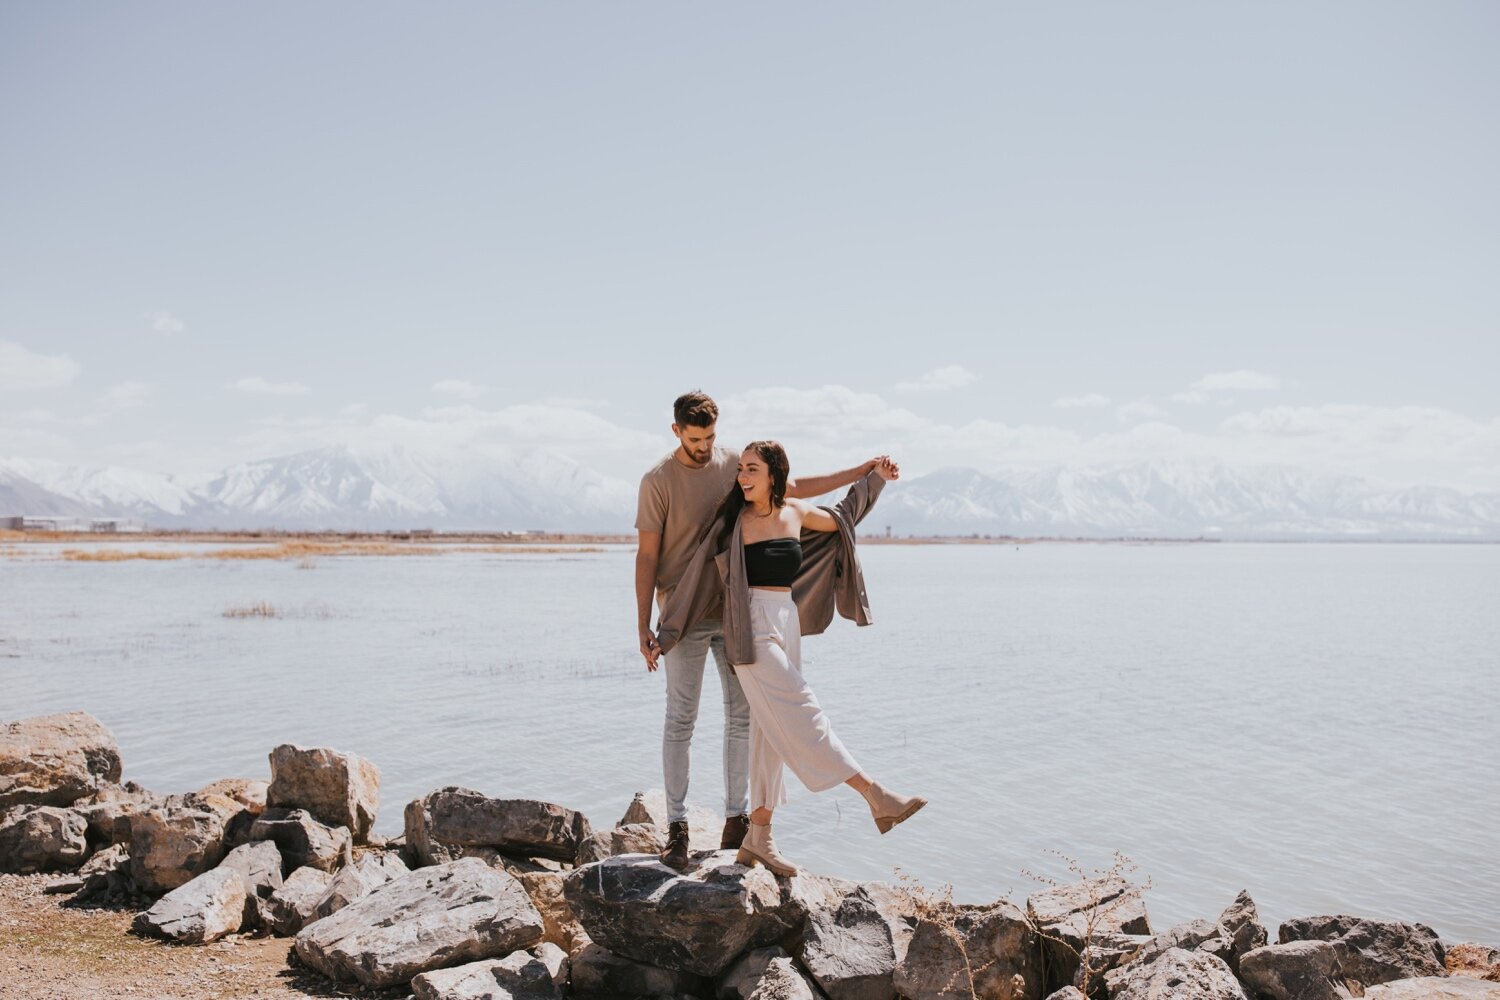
<point>695,409</point>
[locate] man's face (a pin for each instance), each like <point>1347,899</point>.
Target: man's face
<point>697,442</point>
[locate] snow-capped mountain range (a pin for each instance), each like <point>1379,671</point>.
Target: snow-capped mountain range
<point>394,487</point>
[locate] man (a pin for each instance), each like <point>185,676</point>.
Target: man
<point>677,496</point>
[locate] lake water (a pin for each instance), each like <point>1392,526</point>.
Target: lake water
<point>1317,724</point>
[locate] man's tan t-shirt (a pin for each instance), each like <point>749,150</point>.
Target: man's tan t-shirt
<point>677,501</point>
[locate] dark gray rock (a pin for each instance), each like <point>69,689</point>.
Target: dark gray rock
<point>1105,954</point>
<point>852,944</point>
<point>519,976</point>
<point>697,921</point>
<point>1180,975</point>
<point>55,760</point>
<point>1241,930</point>
<point>358,880</point>
<point>598,972</point>
<point>1372,951</point>
<point>1067,916</point>
<point>935,966</point>
<point>459,912</point>
<point>1297,970</point>
<point>42,839</point>
<point>287,910</point>
<point>1003,950</point>
<point>338,789</point>
<point>739,980</point>
<point>202,910</point>
<point>259,866</point>
<point>443,822</point>
<point>303,840</point>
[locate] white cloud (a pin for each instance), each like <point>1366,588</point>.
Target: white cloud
<point>21,369</point>
<point>574,403</point>
<point>949,377</point>
<point>459,388</point>
<point>1138,410</point>
<point>256,384</point>
<point>1093,399</point>
<point>127,395</point>
<point>1216,384</point>
<point>164,322</point>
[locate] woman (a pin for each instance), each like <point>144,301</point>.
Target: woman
<point>759,529</point>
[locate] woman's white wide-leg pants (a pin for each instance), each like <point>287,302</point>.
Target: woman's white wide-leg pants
<point>787,726</point>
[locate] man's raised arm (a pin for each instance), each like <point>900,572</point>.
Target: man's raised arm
<point>812,486</point>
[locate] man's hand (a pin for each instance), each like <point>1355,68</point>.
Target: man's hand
<point>649,649</point>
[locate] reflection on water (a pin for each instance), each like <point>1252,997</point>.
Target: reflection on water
<point>1314,723</point>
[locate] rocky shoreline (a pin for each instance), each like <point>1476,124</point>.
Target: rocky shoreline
<point>496,898</point>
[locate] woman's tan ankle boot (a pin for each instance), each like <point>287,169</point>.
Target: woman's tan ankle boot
<point>889,808</point>
<point>758,848</point>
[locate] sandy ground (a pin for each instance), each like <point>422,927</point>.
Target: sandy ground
<point>51,950</point>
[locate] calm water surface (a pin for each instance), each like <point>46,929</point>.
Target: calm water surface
<point>1317,724</point>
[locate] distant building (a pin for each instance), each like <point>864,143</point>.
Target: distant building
<point>116,525</point>
<point>29,523</point>
<point>12,523</point>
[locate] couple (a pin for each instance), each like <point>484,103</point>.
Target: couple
<point>742,566</point>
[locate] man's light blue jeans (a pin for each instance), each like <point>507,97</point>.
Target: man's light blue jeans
<point>684,666</point>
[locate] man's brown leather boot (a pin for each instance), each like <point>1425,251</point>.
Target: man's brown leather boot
<point>735,828</point>
<point>676,854</point>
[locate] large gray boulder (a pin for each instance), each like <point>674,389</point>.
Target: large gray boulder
<point>1237,932</point>
<point>1296,970</point>
<point>935,966</point>
<point>440,825</point>
<point>175,842</point>
<point>339,789</point>
<point>852,944</point>
<point>55,760</point>
<point>304,840</point>
<point>596,972</point>
<point>463,911</point>
<point>259,867</point>
<point>42,839</point>
<point>739,980</point>
<point>1067,917</point>
<point>696,921</point>
<point>358,880</point>
<point>1372,951</point>
<point>204,909</point>
<point>108,809</point>
<point>1003,951</point>
<point>1180,975</point>
<point>522,975</point>
<point>1435,988</point>
<point>287,910</point>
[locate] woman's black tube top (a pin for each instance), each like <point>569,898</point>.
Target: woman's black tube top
<point>773,562</point>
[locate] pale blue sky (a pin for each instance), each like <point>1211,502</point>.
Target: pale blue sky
<point>797,207</point>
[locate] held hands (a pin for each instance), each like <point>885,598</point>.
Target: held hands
<point>649,649</point>
<point>884,465</point>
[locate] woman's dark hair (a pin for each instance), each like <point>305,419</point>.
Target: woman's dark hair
<point>770,452</point>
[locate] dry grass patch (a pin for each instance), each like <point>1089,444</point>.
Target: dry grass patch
<point>261,609</point>
<point>119,555</point>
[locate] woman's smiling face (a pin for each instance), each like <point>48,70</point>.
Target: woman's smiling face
<point>754,477</point>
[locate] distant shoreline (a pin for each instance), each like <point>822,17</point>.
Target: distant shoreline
<point>525,539</point>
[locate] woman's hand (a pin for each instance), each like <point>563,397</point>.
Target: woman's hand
<point>887,468</point>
